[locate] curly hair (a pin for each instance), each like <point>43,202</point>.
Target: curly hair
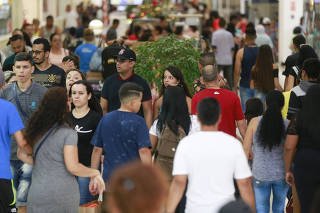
<point>53,109</point>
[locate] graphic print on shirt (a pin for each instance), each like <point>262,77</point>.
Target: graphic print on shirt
<point>78,129</point>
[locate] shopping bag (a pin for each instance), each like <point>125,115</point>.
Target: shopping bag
<point>91,207</point>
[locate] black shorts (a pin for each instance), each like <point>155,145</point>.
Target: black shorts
<point>7,196</point>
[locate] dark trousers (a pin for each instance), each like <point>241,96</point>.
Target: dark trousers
<point>227,73</point>
<point>307,176</point>
<point>7,201</point>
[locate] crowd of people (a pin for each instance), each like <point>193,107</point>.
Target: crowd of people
<point>223,147</point>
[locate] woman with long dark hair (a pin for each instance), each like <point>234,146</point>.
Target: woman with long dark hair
<point>173,120</point>
<point>264,74</point>
<point>85,115</point>
<point>303,147</point>
<point>266,136</point>
<point>54,187</point>
<point>173,124</point>
<point>172,76</point>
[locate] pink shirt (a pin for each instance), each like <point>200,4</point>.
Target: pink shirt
<point>56,59</point>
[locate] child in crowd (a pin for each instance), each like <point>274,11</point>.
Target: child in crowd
<point>254,108</point>
<point>122,134</point>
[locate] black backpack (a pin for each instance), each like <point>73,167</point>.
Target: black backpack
<point>108,59</point>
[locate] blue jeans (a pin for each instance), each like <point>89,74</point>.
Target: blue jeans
<point>22,174</point>
<point>260,95</point>
<point>85,196</point>
<point>245,94</point>
<point>262,191</point>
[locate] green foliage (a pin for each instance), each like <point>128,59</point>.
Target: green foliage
<point>154,57</point>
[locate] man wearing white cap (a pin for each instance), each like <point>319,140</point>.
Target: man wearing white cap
<point>262,37</point>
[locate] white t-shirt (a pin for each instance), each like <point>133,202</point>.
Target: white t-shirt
<point>194,126</point>
<point>71,19</point>
<point>210,160</point>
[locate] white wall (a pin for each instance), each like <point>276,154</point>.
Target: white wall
<point>290,12</point>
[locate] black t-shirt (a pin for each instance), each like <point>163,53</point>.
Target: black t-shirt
<point>85,128</point>
<point>112,85</point>
<point>53,76</point>
<point>290,62</point>
<point>306,140</point>
<point>294,71</point>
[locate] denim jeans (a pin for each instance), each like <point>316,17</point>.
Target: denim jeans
<point>245,94</point>
<point>260,95</point>
<point>262,191</point>
<point>85,196</point>
<point>22,174</point>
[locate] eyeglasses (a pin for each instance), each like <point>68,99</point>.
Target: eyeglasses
<point>37,52</point>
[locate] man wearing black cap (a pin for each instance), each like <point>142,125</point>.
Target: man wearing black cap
<point>126,59</point>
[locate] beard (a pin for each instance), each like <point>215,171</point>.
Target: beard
<point>38,62</point>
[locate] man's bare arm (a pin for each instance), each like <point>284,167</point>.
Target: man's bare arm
<point>242,126</point>
<point>176,190</point>
<point>104,105</point>
<point>246,192</point>
<point>147,112</point>
<point>145,155</point>
<point>237,69</point>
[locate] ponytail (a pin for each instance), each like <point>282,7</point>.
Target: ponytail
<point>271,130</point>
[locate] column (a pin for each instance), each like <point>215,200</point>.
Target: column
<point>290,12</point>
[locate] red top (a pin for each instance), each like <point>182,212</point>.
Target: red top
<point>133,37</point>
<point>215,24</point>
<point>231,110</point>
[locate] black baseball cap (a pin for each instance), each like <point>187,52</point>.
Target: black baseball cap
<point>127,53</point>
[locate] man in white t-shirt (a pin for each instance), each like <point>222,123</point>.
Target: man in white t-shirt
<point>210,160</point>
<point>70,19</point>
<point>223,44</point>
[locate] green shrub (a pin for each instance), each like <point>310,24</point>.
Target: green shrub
<point>154,57</point>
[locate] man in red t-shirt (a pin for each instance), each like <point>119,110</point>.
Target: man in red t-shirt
<point>231,110</point>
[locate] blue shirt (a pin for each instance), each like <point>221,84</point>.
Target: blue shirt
<point>85,52</point>
<point>121,135</point>
<point>10,123</point>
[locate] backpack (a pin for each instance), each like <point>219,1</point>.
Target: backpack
<point>108,55</point>
<point>166,148</point>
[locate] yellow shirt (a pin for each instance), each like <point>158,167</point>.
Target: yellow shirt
<point>286,103</point>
